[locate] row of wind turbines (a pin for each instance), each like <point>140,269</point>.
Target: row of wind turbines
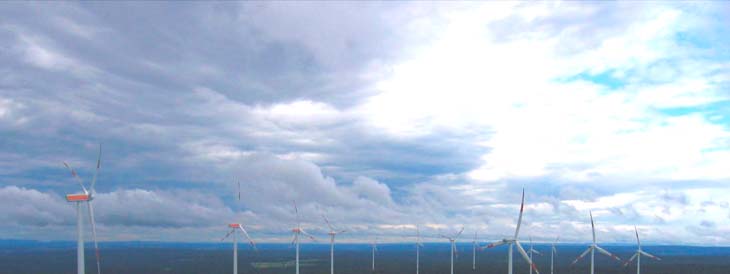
<point>87,196</point>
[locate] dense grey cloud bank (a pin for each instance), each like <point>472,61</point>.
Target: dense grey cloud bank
<point>381,115</point>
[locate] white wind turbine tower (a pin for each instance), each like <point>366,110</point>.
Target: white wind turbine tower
<point>452,240</point>
<point>235,227</point>
<point>593,249</point>
<point>418,247</point>
<point>297,231</point>
<point>474,252</point>
<point>553,252</point>
<point>332,234</point>
<point>532,250</point>
<point>234,231</point>
<point>513,241</point>
<point>374,246</point>
<point>87,196</point>
<point>638,254</point>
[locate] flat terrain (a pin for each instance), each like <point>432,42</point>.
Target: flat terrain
<point>143,258</point>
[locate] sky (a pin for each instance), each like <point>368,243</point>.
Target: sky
<point>383,116</point>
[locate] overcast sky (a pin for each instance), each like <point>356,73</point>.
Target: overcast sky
<point>380,115</point>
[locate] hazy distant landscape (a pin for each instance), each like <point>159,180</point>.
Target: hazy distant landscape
<point>149,258</point>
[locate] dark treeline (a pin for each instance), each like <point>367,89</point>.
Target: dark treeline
<point>350,259</point>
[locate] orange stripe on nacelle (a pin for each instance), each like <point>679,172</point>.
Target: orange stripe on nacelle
<point>234,225</point>
<point>77,197</point>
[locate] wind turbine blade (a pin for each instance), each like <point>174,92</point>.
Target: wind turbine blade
<point>296,212</point>
<point>536,252</point>
<point>93,235</point>
<point>308,235</point>
<point>650,256</point>
<point>250,241</point>
<point>229,234</point>
<point>631,259</point>
<point>341,231</point>
<point>519,220</point>
<point>498,243</point>
<point>459,234</point>
<point>581,256</point>
<point>76,176</point>
<point>98,164</point>
<point>294,238</point>
<point>601,250</point>
<point>593,228</point>
<point>637,237</point>
<point>555,250</point>
<point>328,223</point>
<point>524,255</point>
<point>239,190</point>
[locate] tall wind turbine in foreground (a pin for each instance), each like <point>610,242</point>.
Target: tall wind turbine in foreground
<point>332,234</point>
<point>638,254</point>
<point>474,252</point>
<point>418,247</point>
<point>452,239</point>
<point>593,249</point>
<point>298,231</point>
<point>87,196</point>
<point>553,252</point>
<point>532,250</point>
<point>234,231</point>
<point>513,241</point>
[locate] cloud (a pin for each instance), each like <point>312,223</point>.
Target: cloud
<point>398,114</point>
<point>30,207</point>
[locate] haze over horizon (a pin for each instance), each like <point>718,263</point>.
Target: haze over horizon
<point>383,115</point>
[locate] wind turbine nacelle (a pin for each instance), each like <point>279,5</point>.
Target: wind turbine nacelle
<point>78,197</point>
<point>234,225</point>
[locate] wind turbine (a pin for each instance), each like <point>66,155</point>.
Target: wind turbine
<point>452,239</point>
<point>332,234</point>
<point>593,249</point>
<point>234,229</point>
<point>553,252</point>
<point>638,254</point>
<point>513,241</point>
<point>418,247</point>
<point>87,196</point>
<point>374,246</point>
<point>297,231</point>
<point>474,252</point>
<point>532,250</point>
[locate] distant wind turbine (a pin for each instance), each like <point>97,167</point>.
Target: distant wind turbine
<point>452,240</point>
<point>593,248</point>
<point>332,234</point>
<point>299,231</point>
<point>418,247</point>
<point>532,250</point>
<point>638,254</point>
<point>513,241</point>
<point>87,196</point>
<point>553,252</point>
<point>235,227</point>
